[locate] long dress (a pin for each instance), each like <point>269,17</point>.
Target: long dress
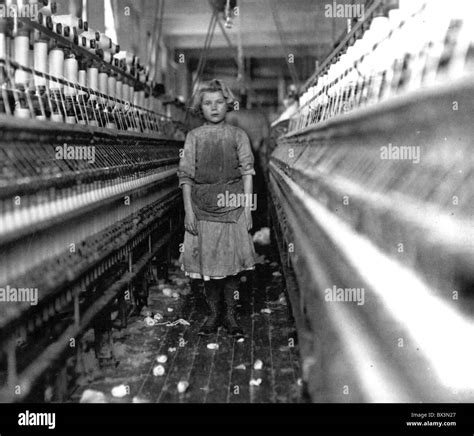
<point>214,154</point>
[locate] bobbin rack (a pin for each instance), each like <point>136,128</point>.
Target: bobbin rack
<point>89,80</point>
<point>89,199</point>
<point>372,191</point>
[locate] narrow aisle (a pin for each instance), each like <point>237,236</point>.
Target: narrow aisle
<point>170,363</point>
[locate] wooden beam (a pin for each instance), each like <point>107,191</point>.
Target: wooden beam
<point>261,52</point>
<point>264,39</point>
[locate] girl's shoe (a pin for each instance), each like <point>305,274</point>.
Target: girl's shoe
<point>230,321</point>
<point>213,298</point>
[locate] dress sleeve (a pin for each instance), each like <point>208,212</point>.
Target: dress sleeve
<point>244,151</point>
<point>186,170</point>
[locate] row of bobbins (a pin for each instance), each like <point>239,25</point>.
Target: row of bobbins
<point>50,58</point>
<point>418,45</point>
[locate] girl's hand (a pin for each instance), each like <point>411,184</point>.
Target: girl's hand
<point>248,216</point>
<point>190,223</point>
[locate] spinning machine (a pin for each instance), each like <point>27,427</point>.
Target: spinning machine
<point>88,192</point>
<point>372,190</point>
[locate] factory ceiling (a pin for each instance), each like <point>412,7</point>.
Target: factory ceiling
<point>303,23</point>
<point>269,31</point>
<point>304,30</point>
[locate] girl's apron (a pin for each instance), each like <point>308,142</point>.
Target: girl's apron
<point>217,178</point>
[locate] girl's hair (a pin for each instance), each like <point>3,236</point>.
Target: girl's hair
<point>213,86</point>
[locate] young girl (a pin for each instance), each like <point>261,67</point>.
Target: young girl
<point>217,165</point>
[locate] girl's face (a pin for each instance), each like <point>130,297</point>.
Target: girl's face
<point>214,107</point>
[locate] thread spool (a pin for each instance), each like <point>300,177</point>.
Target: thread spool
<point>47,21</point>
<point>23,113</point>
<point>459,62</point>
<point>49,8</point>
<point>104,42</point>
<point>112,88</point>
<point>93,81</point>
<point>406,43</point>
<point>69,20</point>
<point>56,67</point>
<point>90,34</point>
<point>115,48</point>
<point>89,44</point>
<point>131,91</point>
<point>103,86</point>
<point>22,48</point>
<point>141,99</point>
<point>3,39</point>
<point>71,72</point>
<point>57,118</point>
<point>3,55</point>
<point>41,61</point>
<point>58,28</point>
<point>159,107</point>
<point>438,31</point>
<point>119,92</point>
<point>108,58</point>
<point>99,53</point>
<point>126,92</point>
<point>82,80</point>
<point>128,58</point>
<point>136,98</point>
<point>68,33</point>
<point>44,15</point>
<point>375,62</point>
<point>34,8</point>
<point>75,36</point>
<point>31,63</point>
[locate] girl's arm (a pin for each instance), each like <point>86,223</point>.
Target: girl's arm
<point>190,223</point>
<point>248,191</point>
<point>246,162</point>
<point>186,173</point>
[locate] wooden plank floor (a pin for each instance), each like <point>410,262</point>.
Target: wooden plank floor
<point>223,375</point>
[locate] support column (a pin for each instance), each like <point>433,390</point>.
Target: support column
<point>75,8</point>
<point>96,14</point>
<point>281,91</point>
<point>183,77</point>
